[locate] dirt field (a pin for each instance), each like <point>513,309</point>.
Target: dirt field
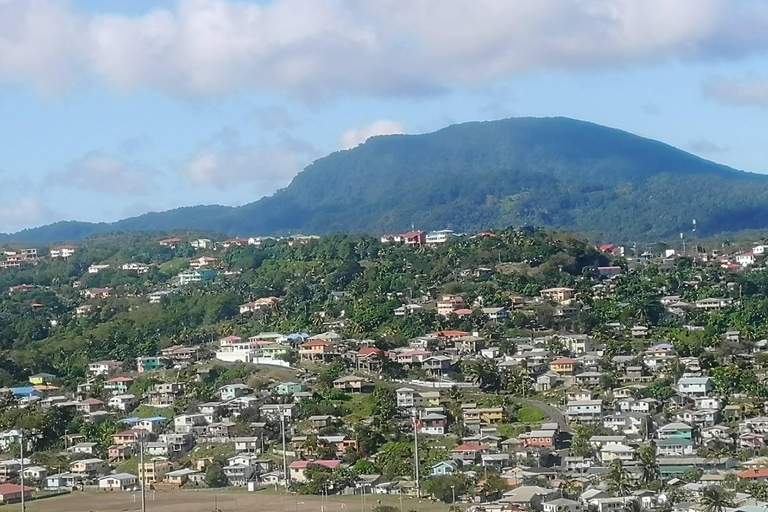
<point>226,501</point>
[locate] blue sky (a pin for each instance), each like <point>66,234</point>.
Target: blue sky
<point>113,109</point>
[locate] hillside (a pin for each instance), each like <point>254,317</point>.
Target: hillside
<point>601,182</point>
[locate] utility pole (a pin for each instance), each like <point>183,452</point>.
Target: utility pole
<point>143,473</point>
<point>21,453</point>
<point>416,453</point>
<point>285,460</point>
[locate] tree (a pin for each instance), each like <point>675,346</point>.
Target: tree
<point>716,499</point>
<point>444,488</point>
<point>494,485</point>
<point>633,505</point>
<point>214,475</point>
<point>618,478</point>
<point>648,464</point>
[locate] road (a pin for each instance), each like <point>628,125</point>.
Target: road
<point>555,414</point>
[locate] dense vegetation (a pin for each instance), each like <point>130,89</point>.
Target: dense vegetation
<point>556,172</point>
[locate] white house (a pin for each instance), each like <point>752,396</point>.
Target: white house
<point>100,368</point>
<point>118,481</point>
<point>584,411</point>
<point>745,260</point>
<point>122,402</point>
<point>695,386</point>
<point>95,269</point>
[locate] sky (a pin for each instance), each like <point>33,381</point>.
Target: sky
<point>110,109</point>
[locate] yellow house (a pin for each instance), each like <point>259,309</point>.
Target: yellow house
<point>484,416</point>
<point>41,379</point>
<point>563,366</point>
<point>154,471</point>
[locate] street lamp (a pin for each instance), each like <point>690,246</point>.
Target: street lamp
<point>453,492</point>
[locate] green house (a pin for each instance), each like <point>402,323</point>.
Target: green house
<point>276,351</point>
<point>290,388</point>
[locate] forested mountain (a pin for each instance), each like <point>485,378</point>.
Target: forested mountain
<point>601,182</point>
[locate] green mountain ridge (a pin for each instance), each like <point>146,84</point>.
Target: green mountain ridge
<point>604,183</point>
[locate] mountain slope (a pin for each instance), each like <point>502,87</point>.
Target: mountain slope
<point>605,183</point>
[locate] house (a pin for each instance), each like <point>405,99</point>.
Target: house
<point>468,453</point>
<point>695,386</point>
<point>746,259</point>
<point>154,471</point>
<point>133,266</point>
<point>563,366</point>
<point>370,358</point>
<point>290,388</point>
<point>352,384</point>
<point>119,453</point>
<point>12,493</point>
<point>561,505</point>
<point>528,497</point>
<point>170,242</point>
<point>584,411</point>
<point>232,391</point>
<point>616,451</point>
<point>201,243</point>
<point>560,294</point>
<point>538,439</point>
<point>407,309</point>
<point>486,416</point>
<point>90,467</point>
<point>151,363</point>
<point>432,424</point>
<point>203,261</point>
<point>42,379</point>
<point>248,444</point>
<point>122,403</point>
<point>275,411</point>
<point>589,378</point>
<point>674,447</point>
<point>263,304</point>
<point>62,252</point>
<point>118,385</point>
<point>90,405</point>
<point>61,481</point>
<point>317,351</point>
<point>240,469</point>
<point>196,276</point>
<point>87,448</point>
<point>118,481</point>
<point>179,477</point>
<point>298,468</point>
<point>83,311</point>
<point>101,368</point>
<point>546,381</point>
<point>415,238</point>
<point>449,304</point>
<point>95,269</point>
<point>444,468</point>
<point>97,293</point>
<point>186,423</point>
<point>675,430</point>
<point>439,237</point>
<point>759,475</point>
<point>129,437</point>
<point>495,315</point>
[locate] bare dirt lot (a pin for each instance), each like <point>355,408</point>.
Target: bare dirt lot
<point>225,501</point>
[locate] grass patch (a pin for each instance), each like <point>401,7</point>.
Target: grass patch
<point>212,450</point>
<point>145,411</point>
<point>528,414</point>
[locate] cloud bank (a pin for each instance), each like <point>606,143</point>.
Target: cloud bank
<point>357,136</point>
<point>321,48</point>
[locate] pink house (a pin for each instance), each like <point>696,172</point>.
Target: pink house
<point>415,238</point>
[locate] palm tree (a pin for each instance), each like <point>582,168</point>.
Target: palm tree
<point>715,499</point>
<point>648,464</point>
<point>618,479</point>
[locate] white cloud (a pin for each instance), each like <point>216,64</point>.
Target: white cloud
<point>751,92</point>
<point>23,213</point>
<point>104,174</point>
<point>357,136</point>
<point>317,48</point>
<point>267,168</point>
